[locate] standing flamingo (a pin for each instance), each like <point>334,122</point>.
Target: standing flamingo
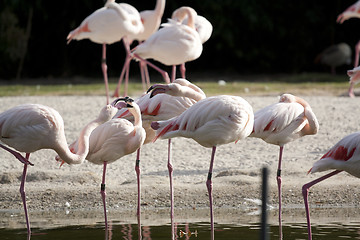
<point>156,106</point>
<point>151,20</point>
<point>107,25</point>
<point>202,26</point>
<point>211,122</point>
<point>284,122</point>
<point>174,43</point>
<point>343,156</point>
<point>113,140</point>
<point>31,127</point>
<point>351,12</point>
<point>354,75</point>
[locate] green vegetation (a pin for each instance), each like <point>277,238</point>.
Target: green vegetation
<point>303,84</point>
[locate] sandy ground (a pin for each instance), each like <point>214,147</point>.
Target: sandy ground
<point>237,169</point>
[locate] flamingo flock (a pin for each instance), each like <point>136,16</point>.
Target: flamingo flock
<point>176,109</point>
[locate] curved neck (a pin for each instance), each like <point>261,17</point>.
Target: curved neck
<point>160,7</point>
<point>113,5</point>
<point>83,145</point>
<point>191,93</point>
<point>135,111</point>
<point>191,14</point>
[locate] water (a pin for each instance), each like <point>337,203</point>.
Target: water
<point>59,226</point>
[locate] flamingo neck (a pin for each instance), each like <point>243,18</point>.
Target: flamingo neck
<point>83,145</point>
<point>191,14</point>
<point>192,94</point>
<point>135,111</point>
<point>160,7</point>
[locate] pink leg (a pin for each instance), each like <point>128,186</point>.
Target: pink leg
<point>147,76</point>
<point>278,178</point>
<point>104,70</point>
<point>173,73</point>
<point>23,196</point>
<point>137,170</point>
<point>142,76</point>
<point>357,49</point>
<point>351,90</point>
<point>170,169</point>
<point>182,70</point>
<point>162,72</point>
<point>125,70</point>
<point>17,155</point>
<point>305,192</point>
<point>103,194</point>
<point>209,187</point>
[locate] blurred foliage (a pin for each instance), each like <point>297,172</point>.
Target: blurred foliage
<point>249,37</point>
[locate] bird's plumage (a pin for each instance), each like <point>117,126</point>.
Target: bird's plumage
<point>344,156</point>
<point>210,122</point>
<point>109,24</point>
<point>173,44</point>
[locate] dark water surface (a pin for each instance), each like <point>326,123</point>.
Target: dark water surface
<point>327,224</point>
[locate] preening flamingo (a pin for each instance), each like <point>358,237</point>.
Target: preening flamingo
<point>202,26</point>
<point>114,139</point>
<point>174,43</point>
<point>211,122</point>
<point>151,20</point>
<point>284,122</point>
<point>31,127</point>
<point>156,106</point>
<point>343,156</point>
<point>107,25</point>
<point>352,12</point>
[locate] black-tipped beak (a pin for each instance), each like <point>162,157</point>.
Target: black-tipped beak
<point>150,88</point>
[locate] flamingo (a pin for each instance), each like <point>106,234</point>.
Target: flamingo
<point>31,127</point>
<point>211,122</point>
<point>284,122</point>
<point>151,20</point>
<point>202,26</point>
<point>114,139</point>
<point>335,56</point>
<point>354,75</point>
<point>107,25</point>
<point>174,43</point>
<point>343,156</point>
<point>351,12</point>
<point>164,101</point>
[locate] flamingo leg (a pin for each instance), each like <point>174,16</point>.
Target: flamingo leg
<point>162,72</point>
<point>209,187</point>
<point>351,90</point>
<point>146,75</point>
<point>278,179</point>
<point>142,76</point>
<point>125,70</point>
<point>17,155</point>
<point>170,169</point>
<point>137,170</point>
<point>23,195</point>
<point>182,70</point>
<point>173,73</point>
<point>357,50</point>
<point>305,192</point>
<point>103,194</point>
<point>104,70</point>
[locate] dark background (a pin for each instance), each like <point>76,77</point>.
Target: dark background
<point>249,37</point>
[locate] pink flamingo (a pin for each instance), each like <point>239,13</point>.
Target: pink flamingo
<point>114,139</point>
<point>31,127</point>
<point>174,43</point>
<point>284,122</point>
<point>156,106</point>
<point>211,122</point>
<point>202,26</point>
<point>107,25</point>
<point>352,12</point>
<point>151,20</point>
<point>354,75</point>
<point>343,156</point>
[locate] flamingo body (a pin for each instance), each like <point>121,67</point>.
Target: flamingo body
<point>210,122</point>
<point>343,156</point>
<point>173,44</point>
<point>109,24</point>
